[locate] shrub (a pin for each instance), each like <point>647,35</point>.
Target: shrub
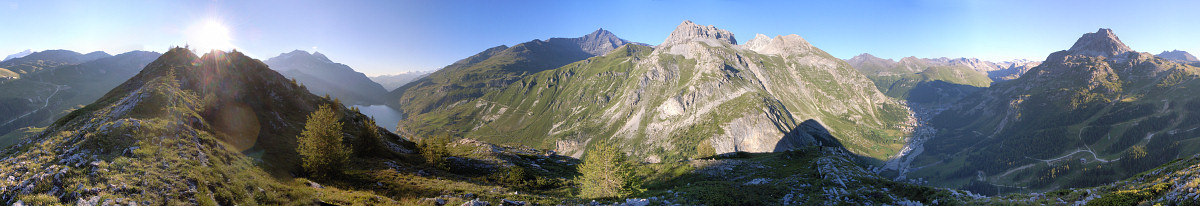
<point>321,145</point>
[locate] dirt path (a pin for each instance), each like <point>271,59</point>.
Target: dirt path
<point>1049,162</point>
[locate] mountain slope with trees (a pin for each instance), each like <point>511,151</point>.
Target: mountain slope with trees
<point>1093,114</point>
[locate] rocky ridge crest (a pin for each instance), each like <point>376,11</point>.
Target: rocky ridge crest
<point>1178,56</point>
<point>688,31</point>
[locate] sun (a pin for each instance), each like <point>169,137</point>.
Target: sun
<point>208,35</point>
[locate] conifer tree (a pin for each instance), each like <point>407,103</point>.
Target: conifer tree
<point>607,173</point>
<point>434,150</point>
<point>369,142</point>
<point>321,145</point>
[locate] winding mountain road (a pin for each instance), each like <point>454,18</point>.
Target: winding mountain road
<point>46,104</point>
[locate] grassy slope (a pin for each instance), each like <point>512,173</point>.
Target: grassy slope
<point>477,75</point>
<point>8,73</point>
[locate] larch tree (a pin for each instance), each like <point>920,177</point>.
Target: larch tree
<point>321,147</point>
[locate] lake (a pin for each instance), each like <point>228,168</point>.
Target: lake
<point>385,116</point>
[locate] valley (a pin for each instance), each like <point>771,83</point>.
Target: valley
<point>921,132</point>
<point>624,103</point>
<point>46,100</point>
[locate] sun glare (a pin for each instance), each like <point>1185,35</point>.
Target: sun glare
<point>209,35</point>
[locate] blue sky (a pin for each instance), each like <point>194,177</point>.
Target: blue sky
<point>383,37</point>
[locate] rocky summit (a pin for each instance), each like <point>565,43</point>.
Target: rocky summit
<point>1177,55</point>
<point>688,31</point>
<point>597,43</point>
<point>780,45</point>
<point>1101,43</point>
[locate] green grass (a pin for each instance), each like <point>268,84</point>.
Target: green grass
<point>19,135</point>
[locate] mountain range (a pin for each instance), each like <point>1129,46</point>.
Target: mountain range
<point>1180,56</point>
<point>1093,114</point>
<point>393,81</point>
<point>323,76</point>
<point>696,94</point>
<point>178,131</point>
<point>48,59</point>
<point>702,119</point>
<point>55,82</point>
<point>221,129</point>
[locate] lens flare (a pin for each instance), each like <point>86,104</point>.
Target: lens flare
<point>209,35</point>
<point>239,124</point>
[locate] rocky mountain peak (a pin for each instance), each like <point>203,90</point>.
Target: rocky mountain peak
<point>598,42</point>
<point>688,31</point>
<point>1178,56</point>
<point>1101,43</point>
<point>300,56</point>
<point>865,60</point>
<point>321,57</point>
<point>865,56</point>
<point>789,44</point>
<point>759,41</point>
<point>18,55</point>
<point>910,59</point>
<point>600,34</point>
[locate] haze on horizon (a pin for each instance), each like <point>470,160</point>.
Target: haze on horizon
<point>387,37</point>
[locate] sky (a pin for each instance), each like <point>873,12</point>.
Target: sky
<point>387,37</point>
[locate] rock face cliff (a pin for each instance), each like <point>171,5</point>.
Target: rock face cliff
<point>688,31</point>
<point>1095,113</point>
<point>697,94</point>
